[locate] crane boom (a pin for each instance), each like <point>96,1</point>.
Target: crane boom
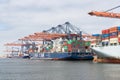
<point>105,14</point>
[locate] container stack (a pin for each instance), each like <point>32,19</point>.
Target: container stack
<point>95,39</point>
<point>76,46</point>
<point>118,34</point>
<point>111,36</point>
<point>105,36</point>
<point>113,32</point>
<point>71,46</point>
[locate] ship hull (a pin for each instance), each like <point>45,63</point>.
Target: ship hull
<point>62,56</point>
<point>107,51</point>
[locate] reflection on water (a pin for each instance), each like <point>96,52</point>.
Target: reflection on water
<point>25,69</point>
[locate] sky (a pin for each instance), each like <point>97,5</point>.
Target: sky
<point>19,18</point>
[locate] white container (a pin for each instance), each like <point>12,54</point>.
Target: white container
<point>113,40</point>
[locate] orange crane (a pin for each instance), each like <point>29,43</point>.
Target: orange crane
<point>106,13</point>
<point>14,44</point>
<point>42,36</point>
<point>36,37</point>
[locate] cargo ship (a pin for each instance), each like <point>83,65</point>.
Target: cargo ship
<point>61,42</point>
<point>108,48</point>
<point>64,50</point>
<point>63,56</point>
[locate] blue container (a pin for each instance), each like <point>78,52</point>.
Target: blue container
<point>105,35</point>
<point>114,34</point>
<point>118,28</point>
<point>96,35</point>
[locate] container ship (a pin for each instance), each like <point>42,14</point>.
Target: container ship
<point>65,50</point>
<point>108,48</point>
<point>57,43</point>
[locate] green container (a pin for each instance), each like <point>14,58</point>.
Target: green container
<point>69,41</point>
<point>81,43</point>
<point>87,43</point>
<point>77,42</point>
<point>74,40</point>
<point>47,48</point>
<point>65,47</point>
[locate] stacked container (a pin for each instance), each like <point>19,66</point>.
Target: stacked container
<point>95,39</point>
<point>113,32</point>
<point>118,34</point>
<point>75,46</point>
<point>105,36</point>
<point>111,35</point>
<point>69,45</point>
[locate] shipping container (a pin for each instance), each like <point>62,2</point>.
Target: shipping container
<point>106,31</point>
<point>69,41</point>
<point>65,47</point>
<point>119,40</point>
<point>113,29</point>
<point>96,38</point>
<point>87,43</point>
<point>114,40</point>
<point>96,35</point>
<point>105,35</point>
<point>113,34</point>
<point>118,28</point>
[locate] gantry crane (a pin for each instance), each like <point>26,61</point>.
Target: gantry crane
<point>106,13</point>
<point>33,41</point>
<point>38,36</point>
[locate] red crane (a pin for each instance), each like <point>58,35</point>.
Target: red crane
<point>106,13</point>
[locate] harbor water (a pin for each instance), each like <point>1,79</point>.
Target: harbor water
<point>25,69</point>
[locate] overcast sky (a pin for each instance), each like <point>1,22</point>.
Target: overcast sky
<point>19,18</point>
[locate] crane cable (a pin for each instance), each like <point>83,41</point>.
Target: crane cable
<point>112,8</point>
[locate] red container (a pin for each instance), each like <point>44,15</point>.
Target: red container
<point>69,45</point>
<point>113,36</point>
<point>103,31</point>
<point>106,31</point>
<point>118,39</point>
<point>69,50</point>
<point>105,38</point>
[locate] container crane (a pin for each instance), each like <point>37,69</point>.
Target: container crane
<point>106,13</point>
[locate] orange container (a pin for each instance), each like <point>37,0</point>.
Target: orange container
<point>113,29</point>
